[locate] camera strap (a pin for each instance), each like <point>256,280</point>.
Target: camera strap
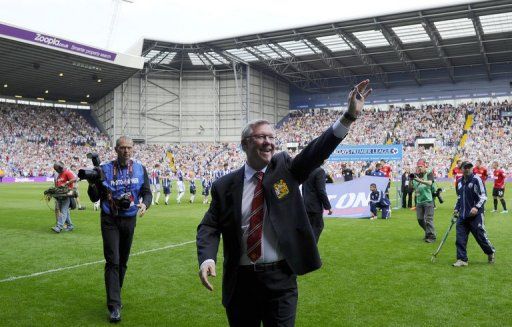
<point>129,173</point>
<point>127,186</point>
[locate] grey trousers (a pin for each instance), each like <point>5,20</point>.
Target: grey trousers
<point>425,215</point>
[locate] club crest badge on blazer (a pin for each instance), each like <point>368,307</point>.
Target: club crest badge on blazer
<point>281,189</point>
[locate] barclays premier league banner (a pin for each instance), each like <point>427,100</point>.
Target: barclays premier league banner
<point>351,199</point>
<point>367,152</point>
<point>55,42</point>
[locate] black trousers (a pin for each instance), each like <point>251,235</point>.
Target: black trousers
<point>316,220</point>
<point>264,296</point>
<point>117,233</point>
<point>406,198</point>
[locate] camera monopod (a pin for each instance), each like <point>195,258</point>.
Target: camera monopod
<point>445,236</point>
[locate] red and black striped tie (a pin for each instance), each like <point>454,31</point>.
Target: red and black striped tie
<point>256,221</point>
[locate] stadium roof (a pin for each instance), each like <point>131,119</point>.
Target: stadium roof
<point>449,44</point>
<point>34,65</point>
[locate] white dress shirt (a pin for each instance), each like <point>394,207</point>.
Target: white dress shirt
<point>269,245</point>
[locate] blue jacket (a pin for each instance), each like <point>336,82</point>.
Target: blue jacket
<point>378,173</point>
<point>378,198</point>
<point>470,193</point>
<point>132,179</point>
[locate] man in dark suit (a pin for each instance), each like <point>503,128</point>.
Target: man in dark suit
<point>347,172</point>
<point>259,211</point>
<point>316,200</point>
<point>406,189</point>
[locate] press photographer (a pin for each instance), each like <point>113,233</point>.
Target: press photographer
<point>122,186</point>
<point>423,182</point>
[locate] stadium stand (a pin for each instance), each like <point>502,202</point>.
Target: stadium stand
<point>31,140</point>
<point>490,137</point>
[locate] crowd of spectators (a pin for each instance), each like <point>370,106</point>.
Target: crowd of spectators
<point>400,125</point>
<point>444,123</point>
<point>490,138</point>
<point>32,138</point>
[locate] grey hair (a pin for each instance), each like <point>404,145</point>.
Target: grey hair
<point>249,128</point>
<point>247,131</point>
<point>124,137</point>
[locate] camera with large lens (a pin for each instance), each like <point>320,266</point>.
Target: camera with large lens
<point>91,175</point>
<point>124,201</point>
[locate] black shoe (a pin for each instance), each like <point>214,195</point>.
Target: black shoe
<point>115,315</point>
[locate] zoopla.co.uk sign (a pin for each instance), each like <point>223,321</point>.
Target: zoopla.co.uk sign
<point>55,42</point>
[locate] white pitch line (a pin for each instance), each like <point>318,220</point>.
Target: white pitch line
<point>10,279</point>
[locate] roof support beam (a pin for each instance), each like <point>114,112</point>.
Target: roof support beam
<point>206,61</point>
<point>438,46</point>
<point>351,41</point>
<point>400,52</point>
<point>226,55</point>
<point>309,77</point>
<point>327,58</point>
<point>479,34</point>
<point>147,50</point>
<point>277,67</point>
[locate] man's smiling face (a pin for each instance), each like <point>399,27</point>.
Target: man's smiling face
<point>260,146</point>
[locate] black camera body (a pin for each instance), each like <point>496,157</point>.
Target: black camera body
<point>124,201</point>
<point>91,175</point>
<point>413,176</point>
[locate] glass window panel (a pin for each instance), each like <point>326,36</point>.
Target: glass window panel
<point>242,54</point>
<point>216,59</point>
<point>300,48</point>
<point>334,43</point>
<point>150,55</point>
<point>271,51</point>
<point>167,60</point>
<point>372,38</point>
<point>196,59</point>
<point>497,23</point>
<point>461,27</point>
<point>160,56</point>
<point>411,33</point>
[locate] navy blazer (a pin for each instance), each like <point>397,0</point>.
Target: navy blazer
<point>285,211</point>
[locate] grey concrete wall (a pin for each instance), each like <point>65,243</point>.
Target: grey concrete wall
<point>201,107</point>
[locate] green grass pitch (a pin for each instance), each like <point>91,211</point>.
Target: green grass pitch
<point>375,273</point>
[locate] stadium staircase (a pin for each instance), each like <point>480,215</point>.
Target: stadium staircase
<point>389,135</point>
<point>467,127</point>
